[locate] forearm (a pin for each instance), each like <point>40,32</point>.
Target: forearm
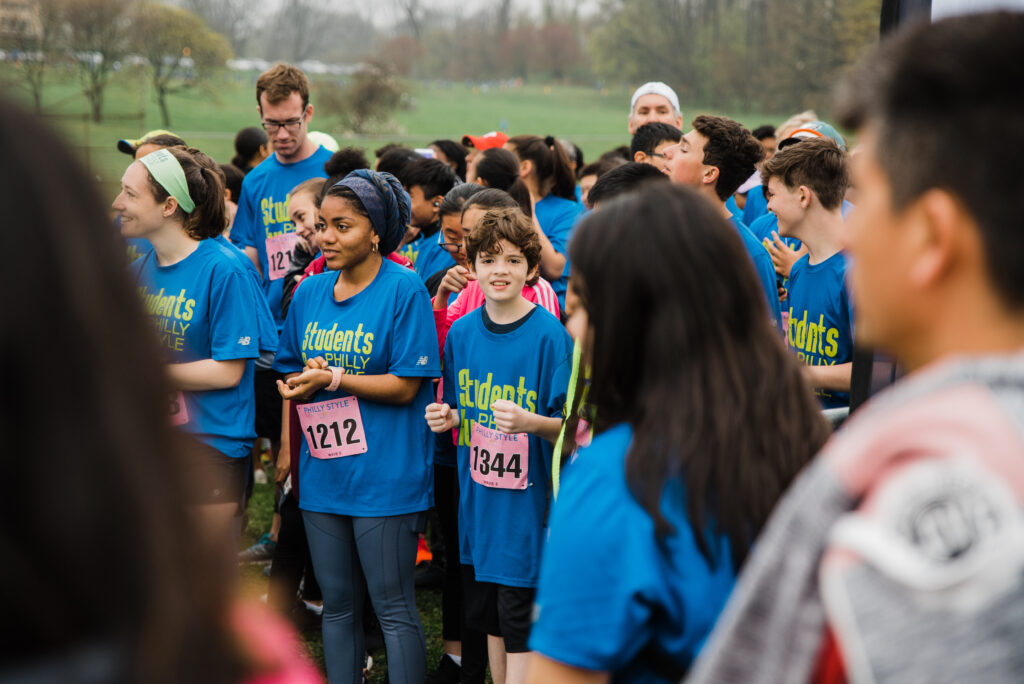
<point>207,374</point>
<point>552,262</point>
<point>544,427</point>
<point>836,378</point>
<point>386,389</point>
<point>254,256</point>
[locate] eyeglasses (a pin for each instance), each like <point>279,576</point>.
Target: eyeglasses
<point>656,154</point>
<point>452,247</point>
<point>291,125</point>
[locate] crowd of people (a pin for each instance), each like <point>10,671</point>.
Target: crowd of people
<point>604,391</point>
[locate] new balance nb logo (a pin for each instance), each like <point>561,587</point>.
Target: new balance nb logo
<point>244,340</point>
<point>423,361</point>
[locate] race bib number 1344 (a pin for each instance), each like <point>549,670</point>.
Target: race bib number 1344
<point>499,460</point>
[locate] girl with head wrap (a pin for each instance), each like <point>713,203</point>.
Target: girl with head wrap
<point>356,347</point>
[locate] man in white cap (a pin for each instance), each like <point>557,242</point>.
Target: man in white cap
<point>654,101</point>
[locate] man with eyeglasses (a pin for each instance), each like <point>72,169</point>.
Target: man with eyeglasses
<point>263,226</point>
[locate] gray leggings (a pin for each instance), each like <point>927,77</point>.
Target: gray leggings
<point>346,549</point>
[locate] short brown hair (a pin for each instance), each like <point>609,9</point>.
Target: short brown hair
<point>279,82</point>
<point>504,224</point>
<point>732,149</point>
<point>817,163</point>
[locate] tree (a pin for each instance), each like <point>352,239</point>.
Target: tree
<point>232,18</point>
<point>366,102</point>
<point>180,49</point>
<point>98,37</point>
<point>413,15</point>
<point>38,42</point>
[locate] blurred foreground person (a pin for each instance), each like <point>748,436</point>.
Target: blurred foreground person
<point>701,421</point>
<point>899,555</point>
<point>104,576</point>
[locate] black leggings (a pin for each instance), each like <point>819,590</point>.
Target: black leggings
<point>453,611</point>
<point>291,560</point>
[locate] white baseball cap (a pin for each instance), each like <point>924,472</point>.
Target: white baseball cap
<point>656,88</point>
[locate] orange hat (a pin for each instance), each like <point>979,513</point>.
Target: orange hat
<point>486,141</point>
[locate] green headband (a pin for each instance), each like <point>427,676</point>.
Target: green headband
<point>167,171</point>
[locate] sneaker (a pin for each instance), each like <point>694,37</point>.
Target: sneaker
<point>447,672</point>
<point>262,550</point>
<point>315,608</point>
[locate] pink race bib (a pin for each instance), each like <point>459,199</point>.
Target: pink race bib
<point>333,428</point>
<point>178,409</point>
<point>279,254</point>
<point>499,460</point>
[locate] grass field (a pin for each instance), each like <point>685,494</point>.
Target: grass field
<point>595,120</point>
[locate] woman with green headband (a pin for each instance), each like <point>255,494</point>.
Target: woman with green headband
<point>200,304</point>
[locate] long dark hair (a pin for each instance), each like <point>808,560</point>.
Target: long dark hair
<point>550,162</point>
<point>499,169</point>
<point>97,548</point>
<point>682,349</point>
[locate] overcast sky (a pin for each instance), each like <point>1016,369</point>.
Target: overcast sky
<point>386,12</point>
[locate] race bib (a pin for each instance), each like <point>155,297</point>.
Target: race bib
<point>279,254</point>
<point>333,428</point>
<point>499,460</point>
<point>178,409</point>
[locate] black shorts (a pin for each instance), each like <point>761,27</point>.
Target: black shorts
<point>268,404</point>
<point>212,477</point>
<point>499,610</point>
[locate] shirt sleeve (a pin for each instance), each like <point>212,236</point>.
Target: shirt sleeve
<point>558,389</point>
<point>413,348</point>
<point>243,229</point>
<point>289,355</point>
<point>234,329</point>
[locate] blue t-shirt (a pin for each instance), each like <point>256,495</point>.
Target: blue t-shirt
<point>821,318</point>
<point>202,308</point>
<point>558,217</point>
<point>432,257</point>
<point>411,250</point>
<point>763,266</point>
<point>385,328</point>
<point>136,248</point>
<point>756,205</point>
<point>264,318</point>
<point>501,530</point>
<point>600,603</point>
<point>263,214</point>
<point>731,205</point>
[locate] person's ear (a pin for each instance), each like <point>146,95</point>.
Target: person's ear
<point>944,235</point>
<point>525,168</point>
<point>227,194</point>
<point>437,201</point>
<point>805,196</point>
<point>640,157</point>
<point>534,272</point>
<point>170,206</point>
<point>710,175</point>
